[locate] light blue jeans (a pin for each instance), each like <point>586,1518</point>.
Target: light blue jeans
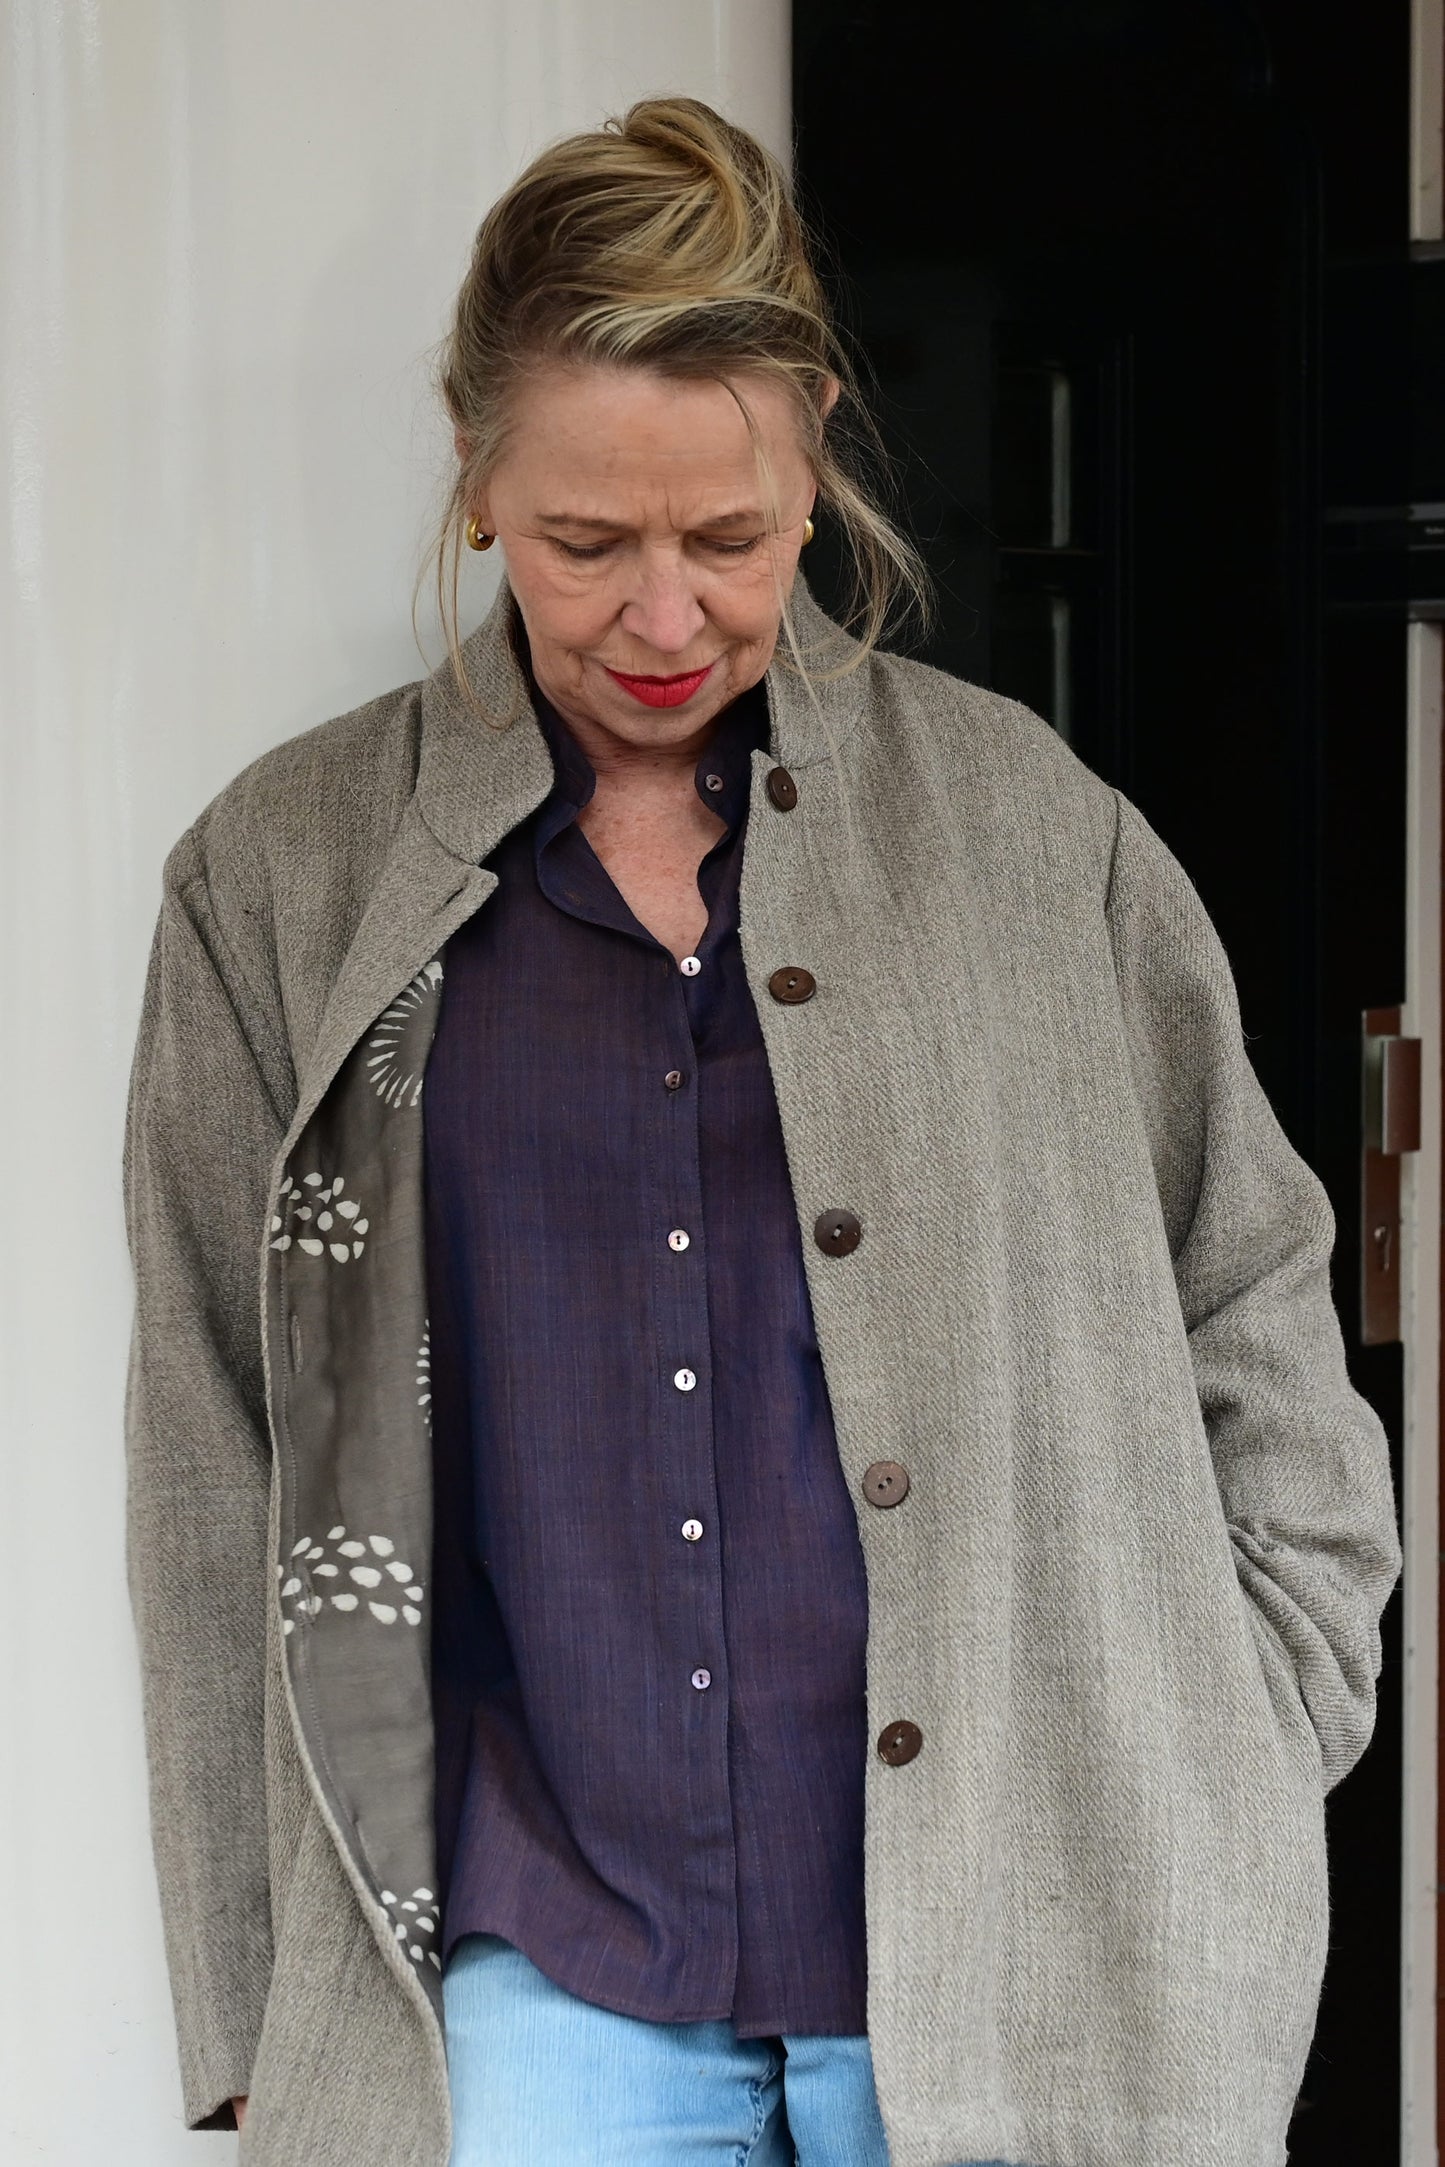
<point>541,2079</point>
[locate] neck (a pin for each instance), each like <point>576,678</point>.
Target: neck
<point>621,759</point>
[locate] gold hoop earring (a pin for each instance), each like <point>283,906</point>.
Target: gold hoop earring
<point>809,530</point>
<point>475,537</point>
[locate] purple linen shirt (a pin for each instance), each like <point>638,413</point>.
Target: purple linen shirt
<point>650,1609</point>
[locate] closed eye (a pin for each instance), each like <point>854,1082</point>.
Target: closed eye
<point>590,552</point>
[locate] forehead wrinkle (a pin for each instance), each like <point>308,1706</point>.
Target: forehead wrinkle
<point>736,516</point>
<point>564,462</point>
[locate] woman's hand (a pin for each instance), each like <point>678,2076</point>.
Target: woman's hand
<point>239,2103</point>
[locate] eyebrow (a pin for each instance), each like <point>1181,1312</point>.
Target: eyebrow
<point>740,518</point>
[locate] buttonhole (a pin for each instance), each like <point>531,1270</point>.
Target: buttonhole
<point>295,1341</point>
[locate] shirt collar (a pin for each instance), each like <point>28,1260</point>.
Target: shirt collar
<point>741,729</point>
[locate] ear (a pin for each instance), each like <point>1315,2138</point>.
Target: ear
<point>478,504</point>
<point>831,391</point>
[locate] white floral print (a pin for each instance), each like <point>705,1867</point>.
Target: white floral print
<point>345,1573</point>
<point>415,1919</point>
<point>423,1375</point>
<point>394,1055</point>
<point>319,1219</point>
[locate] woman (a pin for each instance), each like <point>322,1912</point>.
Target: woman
<point>787,1552</point>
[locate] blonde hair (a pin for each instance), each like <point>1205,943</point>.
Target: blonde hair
<point>666,240</point>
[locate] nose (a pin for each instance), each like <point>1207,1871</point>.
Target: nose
<point>663,611</point>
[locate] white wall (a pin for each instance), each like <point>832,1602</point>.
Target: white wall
<point>229,231</point>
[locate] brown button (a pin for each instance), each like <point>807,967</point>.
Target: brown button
<point>837,1233</point>
<point>782,789</point>
<point>792,984</point>
<point>673,1079</point>
<point>885,1483</point>
<point>899,1743</point>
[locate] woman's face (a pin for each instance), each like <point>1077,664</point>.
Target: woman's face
<point>631,511</point>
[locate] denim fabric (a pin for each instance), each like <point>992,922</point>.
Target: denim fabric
<point>541,2079</point>
<point>668,1849</point>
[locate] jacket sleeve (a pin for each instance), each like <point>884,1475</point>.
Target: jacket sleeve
<point>204,1120</point>
<point>1300,1457</point>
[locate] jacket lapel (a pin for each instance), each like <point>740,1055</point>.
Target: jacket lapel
<point>479,775</point>
<point>345,1306</point>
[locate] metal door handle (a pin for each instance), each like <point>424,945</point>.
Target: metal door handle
<point>1390,1126</point>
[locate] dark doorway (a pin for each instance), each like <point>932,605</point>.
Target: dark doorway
<point>1090,249</point>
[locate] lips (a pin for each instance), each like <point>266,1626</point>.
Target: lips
<point>661,691</point>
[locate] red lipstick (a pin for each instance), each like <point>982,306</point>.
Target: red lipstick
<point>660,691</point>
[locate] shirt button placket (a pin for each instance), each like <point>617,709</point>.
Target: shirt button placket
<point>699,1612</point>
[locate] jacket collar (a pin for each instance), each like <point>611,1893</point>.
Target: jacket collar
<point>479,776</point>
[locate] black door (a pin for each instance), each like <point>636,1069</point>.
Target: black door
<point>1090,247</point>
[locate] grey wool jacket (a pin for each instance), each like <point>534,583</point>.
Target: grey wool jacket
<point>1131,1600</point>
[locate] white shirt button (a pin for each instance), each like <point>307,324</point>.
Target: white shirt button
<point>702,1679</point>
<point>692,1531</point>
<point>678,1238</point>
<point>689,966</point>
<point>684,1379</point>
<point>713,782</point>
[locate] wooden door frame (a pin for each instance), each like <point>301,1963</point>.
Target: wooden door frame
<point>1422,1859</point>
<point>1422,1834</point>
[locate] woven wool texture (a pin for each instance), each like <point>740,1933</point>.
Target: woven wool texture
<point>1133,1597</point>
